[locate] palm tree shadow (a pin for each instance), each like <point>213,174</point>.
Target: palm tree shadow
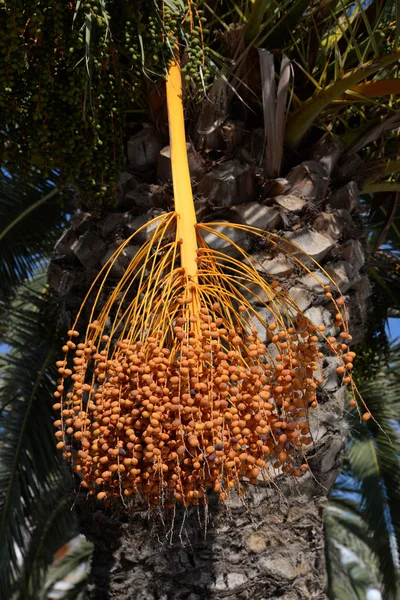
<point>190,554</point>
<point>104,531</point>
<point>156,556</point>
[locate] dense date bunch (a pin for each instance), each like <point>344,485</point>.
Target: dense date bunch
<point>172,392</point>
<point>69,72</point>
<point>168,419</point>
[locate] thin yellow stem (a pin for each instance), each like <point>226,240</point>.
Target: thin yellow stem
<point>184,205</point>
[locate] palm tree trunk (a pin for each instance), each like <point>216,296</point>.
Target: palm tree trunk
<point>272,549</point>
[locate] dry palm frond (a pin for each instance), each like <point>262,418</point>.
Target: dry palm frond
<point>172,389</point>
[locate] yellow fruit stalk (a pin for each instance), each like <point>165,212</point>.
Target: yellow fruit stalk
<point>183,196</point>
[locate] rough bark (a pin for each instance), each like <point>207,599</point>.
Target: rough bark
<point>269,543</point>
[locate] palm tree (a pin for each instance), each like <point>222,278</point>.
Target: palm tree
<point>333,106</point>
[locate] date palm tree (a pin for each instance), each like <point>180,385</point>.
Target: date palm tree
<point>293,158</point>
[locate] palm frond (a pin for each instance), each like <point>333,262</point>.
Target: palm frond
<point>366,509</point>
<point>31,473</point>
<point>23,247</point>
<point>305,116</point>
<point>73,568</point>
<point>350,563</point>
<point>54,522</point>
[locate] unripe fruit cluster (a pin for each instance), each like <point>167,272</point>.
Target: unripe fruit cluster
<point>69,74</point>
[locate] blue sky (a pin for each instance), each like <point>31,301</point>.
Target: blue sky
<point>393,329</point>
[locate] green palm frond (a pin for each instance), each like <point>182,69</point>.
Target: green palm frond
<point>345,58</point>
<point>349,560</point>
<point>334,46</point>
<point>364,503</point>
<point>23,247</point>
<point>53,522</point>
<point>77,591</point>
<point>306,115</point>
<point>374,458</point>
<point>73,567</point>
<point>351,564</point>
<point>32,478</point>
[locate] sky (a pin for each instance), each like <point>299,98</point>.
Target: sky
<point>393,329</point>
